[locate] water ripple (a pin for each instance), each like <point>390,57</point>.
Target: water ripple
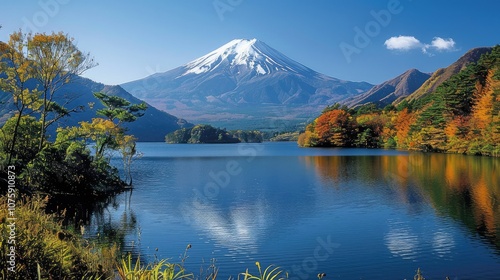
<point>402,242</point>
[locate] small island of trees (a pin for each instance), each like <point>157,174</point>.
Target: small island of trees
<point>207,134</point>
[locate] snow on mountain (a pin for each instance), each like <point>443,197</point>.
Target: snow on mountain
<point>243,80</point>
<point>254,54</point>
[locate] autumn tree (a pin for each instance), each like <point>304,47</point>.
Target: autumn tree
<point>106,134</point>
<point>34,71</point>
<point>483,111</point>
<point>117,110</point>
<point>335,128</point>
<point>103,133</point>
<point>308,138</point>
<point>402,125</point>
<point>461,115</point>
<point>15,67</point>
<point>456,131</point>
<point>54,62</point>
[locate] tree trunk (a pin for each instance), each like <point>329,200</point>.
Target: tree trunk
<point>14,136</point>
<point>43,117</point>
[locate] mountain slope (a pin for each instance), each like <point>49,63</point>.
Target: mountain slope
<point>244,80</point>
<point>462,115</point>
<point>387,92</point>
<point>153,126</point>
<point>443,74</point>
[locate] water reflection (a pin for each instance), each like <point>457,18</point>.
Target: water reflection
<point>411,210</point>
<point>465,188</point>
<point>442,243</point>
<point>105,221</point>
<point>251,206</point>
<point>237,229</point>
<point>401,241</point>
<point>112,222</point>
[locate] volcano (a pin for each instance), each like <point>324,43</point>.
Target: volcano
<point>244,84</point>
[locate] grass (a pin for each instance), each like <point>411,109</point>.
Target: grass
<point>270,273</point>
<point>44,249</point>
<point>163,270</point>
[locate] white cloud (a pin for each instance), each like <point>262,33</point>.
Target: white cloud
<point>402,43</point>
<point>443,44</point>
<point>406,43</point>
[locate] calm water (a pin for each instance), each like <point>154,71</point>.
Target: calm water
<point>351,213</point>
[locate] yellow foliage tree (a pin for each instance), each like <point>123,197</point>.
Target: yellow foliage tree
<point>54,61</point>
<point>104,133</point>
<point>15,67</point>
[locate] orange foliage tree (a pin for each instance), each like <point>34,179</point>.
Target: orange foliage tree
<point>402,125</point>
<point>335,128</point>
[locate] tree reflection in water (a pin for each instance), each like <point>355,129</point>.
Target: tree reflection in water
<point>465,188</point>
<point>95,220</point>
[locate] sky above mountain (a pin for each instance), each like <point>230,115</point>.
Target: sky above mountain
<point>370,41</point>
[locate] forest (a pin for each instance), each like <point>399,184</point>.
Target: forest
<point>204,133</point>
<point>460,116</point>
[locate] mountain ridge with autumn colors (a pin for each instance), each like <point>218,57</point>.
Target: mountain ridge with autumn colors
<point>441,75</point>
<point>461,115</point>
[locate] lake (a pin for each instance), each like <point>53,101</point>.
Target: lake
<point>350,213</point>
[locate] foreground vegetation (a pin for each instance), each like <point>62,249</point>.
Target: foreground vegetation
<point>34,70</point>
<point>461,116</point>
<point>44,249</point>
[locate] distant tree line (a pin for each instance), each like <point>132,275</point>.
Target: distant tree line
<point>203,133</point>
<point>461,116</point>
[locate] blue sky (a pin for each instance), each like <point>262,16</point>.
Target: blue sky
<point>354,40</point>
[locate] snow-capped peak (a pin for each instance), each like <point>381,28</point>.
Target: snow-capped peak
<point>254,54</point>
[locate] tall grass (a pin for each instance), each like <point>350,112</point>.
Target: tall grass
<point>270,273</point>
<point>44,249</point>
<point>162,270</point>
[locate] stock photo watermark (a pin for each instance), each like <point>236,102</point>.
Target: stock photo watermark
<point>222,7</point>
<point>364,35</point>
<point>48,9</point>
<point>310,266</point>
<point>11,218</point>
<point>152,82</point>
<point>220,179</point>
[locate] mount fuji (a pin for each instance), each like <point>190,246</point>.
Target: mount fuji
<point>244,84</point>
